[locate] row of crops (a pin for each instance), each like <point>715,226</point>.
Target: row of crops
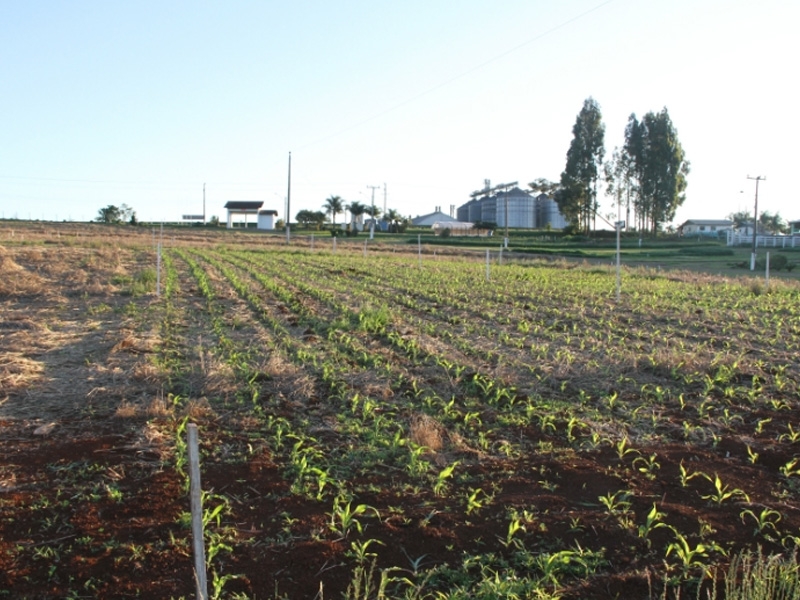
<point>412,429</point>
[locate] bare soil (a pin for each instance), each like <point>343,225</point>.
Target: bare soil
<point>91,504</point>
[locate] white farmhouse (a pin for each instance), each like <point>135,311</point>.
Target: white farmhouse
<point>704,227</point>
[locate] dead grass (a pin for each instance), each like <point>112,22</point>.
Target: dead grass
<point>426,431</point>
<point>126,410</point>
<point>134,345</point>
<point>15,280</point>
<point>17,371</point>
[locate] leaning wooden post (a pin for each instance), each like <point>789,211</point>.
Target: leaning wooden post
<point>197,513</point>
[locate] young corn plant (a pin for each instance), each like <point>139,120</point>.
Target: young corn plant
<point>617,503</point>
<point>477,499</point>
<point>689,558</point>
<point>515,526</point>
<point>653,521</point>
<point>440,485</point>
<point>685,476</point>
<point>790,436</point>
<point>790,468</point>
<point>647,466</point>
<point>360,550</point>
<point>723,492</point>
<point>623,448</point>
<point>765,521</point>
<point>343,517</point>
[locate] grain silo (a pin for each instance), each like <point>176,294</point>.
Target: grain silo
<point>489,209</point>
<point>547,213</point>
<point>466,212</point>
<point>521,209</point>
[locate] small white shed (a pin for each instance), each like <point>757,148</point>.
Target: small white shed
<point>266,219</point>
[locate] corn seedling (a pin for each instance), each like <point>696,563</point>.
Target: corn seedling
<point>790,468</point>
<point>723,492</point>
<point>688,557</point>
<point>790,436</point>
<point>514,526</point>
<point>343,517</point>
<point>476,499</point>
<point>647,466</point>
<point>685,476</point>
<point>617,503</point>
<point>653,520</point>
<point>765,520</point>
<point>359,550</point>
<point>440,485</point>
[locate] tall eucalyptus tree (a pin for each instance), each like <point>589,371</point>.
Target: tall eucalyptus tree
<point>577,196</point>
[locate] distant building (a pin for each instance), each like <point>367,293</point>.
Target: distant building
<point>242,207</point>
<point>516,206</point>
<point>704,227</point>
<point>794,227</point>
<point>746,229</point>
<point>430,219</point>
<point>266,219</point>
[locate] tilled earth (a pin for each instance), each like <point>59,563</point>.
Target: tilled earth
<point>93,504</point>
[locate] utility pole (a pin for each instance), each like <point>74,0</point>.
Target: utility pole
<point>755,222</point>
<point>384,199</point>
<point>372,228</point>
<point>506,240</point>
<point>204,204</point>
<point>289,199</point>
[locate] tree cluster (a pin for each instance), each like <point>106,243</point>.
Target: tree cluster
<point>310,218</point>
<point>116,214</point>
<point>335,205</point>
<point>651,169</point>
<point>767,222</point>
<point>647,175</point>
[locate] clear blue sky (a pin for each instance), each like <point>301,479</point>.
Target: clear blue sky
<point>144,102</point>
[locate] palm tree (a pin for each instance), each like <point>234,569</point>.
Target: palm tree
<point>333,206</point>
<point>392,216</point>
<point>356,210</point>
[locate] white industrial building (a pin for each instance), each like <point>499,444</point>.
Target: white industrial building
<point>508,203</point>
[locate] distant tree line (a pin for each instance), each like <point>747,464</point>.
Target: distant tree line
<point>768,222</point>
<point>335,205</point>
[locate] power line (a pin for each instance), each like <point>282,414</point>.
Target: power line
<point>461,75</point>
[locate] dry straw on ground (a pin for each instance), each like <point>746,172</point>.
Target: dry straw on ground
<point>15,280</point>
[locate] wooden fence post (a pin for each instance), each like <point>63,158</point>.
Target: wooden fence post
<point>198,543</point>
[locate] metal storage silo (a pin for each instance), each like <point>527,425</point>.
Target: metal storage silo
<point>489,209</point>
<point>548,213</point>
<point>521,209</point>
<point>462,213</point>
<point>474,211</point>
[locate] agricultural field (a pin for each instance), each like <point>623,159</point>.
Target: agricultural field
<point>378,423</point>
